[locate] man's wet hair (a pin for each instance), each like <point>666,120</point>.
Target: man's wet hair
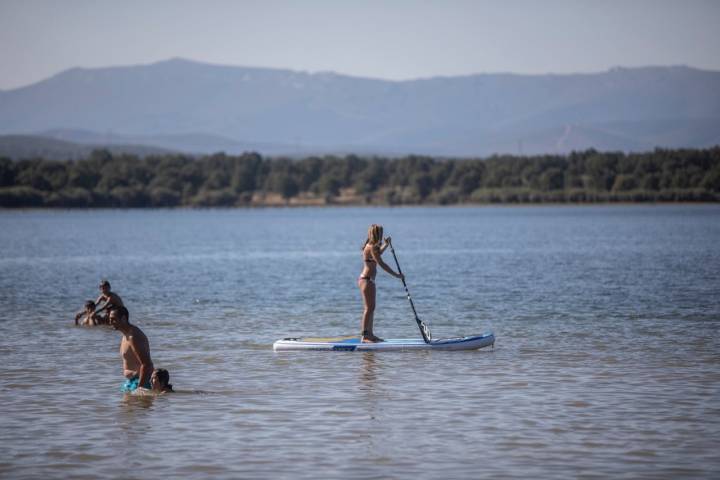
<point>90,304</point>
<point>104,283</point>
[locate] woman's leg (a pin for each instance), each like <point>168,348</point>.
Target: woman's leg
<point>367,288</point>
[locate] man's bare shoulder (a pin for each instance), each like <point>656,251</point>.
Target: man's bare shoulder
<point>137,334</point>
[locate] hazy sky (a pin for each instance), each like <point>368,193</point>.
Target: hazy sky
<point>384,39</point>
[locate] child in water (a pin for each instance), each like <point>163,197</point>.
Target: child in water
<point>159,384</point>
<point>160,381</point>
<point>109,298</point>
<point>88,317</point>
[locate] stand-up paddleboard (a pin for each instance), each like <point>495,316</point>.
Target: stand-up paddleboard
<point>353,343</point>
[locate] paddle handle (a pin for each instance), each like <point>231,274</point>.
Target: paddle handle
<point>424,330</point>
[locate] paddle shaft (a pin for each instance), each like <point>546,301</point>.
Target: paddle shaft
<point>424,330</point>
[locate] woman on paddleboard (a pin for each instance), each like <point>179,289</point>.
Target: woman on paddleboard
<point>371,253</point>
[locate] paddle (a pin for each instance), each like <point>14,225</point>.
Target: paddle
<point>424,330</point>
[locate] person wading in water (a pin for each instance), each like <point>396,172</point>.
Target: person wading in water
<point>134,351</point>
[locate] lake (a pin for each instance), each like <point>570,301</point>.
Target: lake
<point>606,364</point>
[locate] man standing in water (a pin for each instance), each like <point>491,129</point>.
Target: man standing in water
<point>134,350</point>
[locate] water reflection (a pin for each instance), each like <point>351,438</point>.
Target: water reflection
<point>370,376</point>
<point>134,420</point>
<point>369,370</point>
<point>132,401</point>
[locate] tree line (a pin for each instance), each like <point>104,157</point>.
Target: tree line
<point>106,180</point>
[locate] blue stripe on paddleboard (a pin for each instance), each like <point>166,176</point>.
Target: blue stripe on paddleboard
<point>344,348</point>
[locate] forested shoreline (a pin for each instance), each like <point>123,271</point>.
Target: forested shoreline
<point>105,180</point>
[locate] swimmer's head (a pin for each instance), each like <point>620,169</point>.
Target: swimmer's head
<point>104,285</point>
<point>160,380</point>
<point>89,306</point>
<point>119,317</point>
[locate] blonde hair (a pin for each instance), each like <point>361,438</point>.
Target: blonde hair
<point>375,233</point>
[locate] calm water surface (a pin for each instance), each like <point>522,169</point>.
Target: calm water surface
<point>606,365</point>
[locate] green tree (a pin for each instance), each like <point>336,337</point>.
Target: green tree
<point>7,172</point>
<point>552,179</point>
<point>422,184</point>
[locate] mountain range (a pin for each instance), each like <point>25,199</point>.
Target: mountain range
<point>187,106</point>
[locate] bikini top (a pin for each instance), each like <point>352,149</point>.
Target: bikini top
<point>368,260</point>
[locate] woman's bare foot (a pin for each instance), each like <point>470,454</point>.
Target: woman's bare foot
<point>371,339</point>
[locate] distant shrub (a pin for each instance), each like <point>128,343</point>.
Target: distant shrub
<point>164,197</point>
<point>214,198</point>
<point>8,171</point>
<point>70,198</point>
<point>448,196</point>
<point>711,180</point>
<point>129,197</point>
<point>624,183</point>
<point>13,197</point>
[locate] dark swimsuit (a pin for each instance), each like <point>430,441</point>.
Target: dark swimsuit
<point>370,279</point>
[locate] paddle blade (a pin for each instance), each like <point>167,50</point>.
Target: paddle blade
<point>425,331</point>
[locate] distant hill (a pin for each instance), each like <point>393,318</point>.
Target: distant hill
<point>192,143</point>
<point>18,147</point>
<point>195,107</point>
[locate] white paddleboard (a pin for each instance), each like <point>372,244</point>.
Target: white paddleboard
<point>353,343</point>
